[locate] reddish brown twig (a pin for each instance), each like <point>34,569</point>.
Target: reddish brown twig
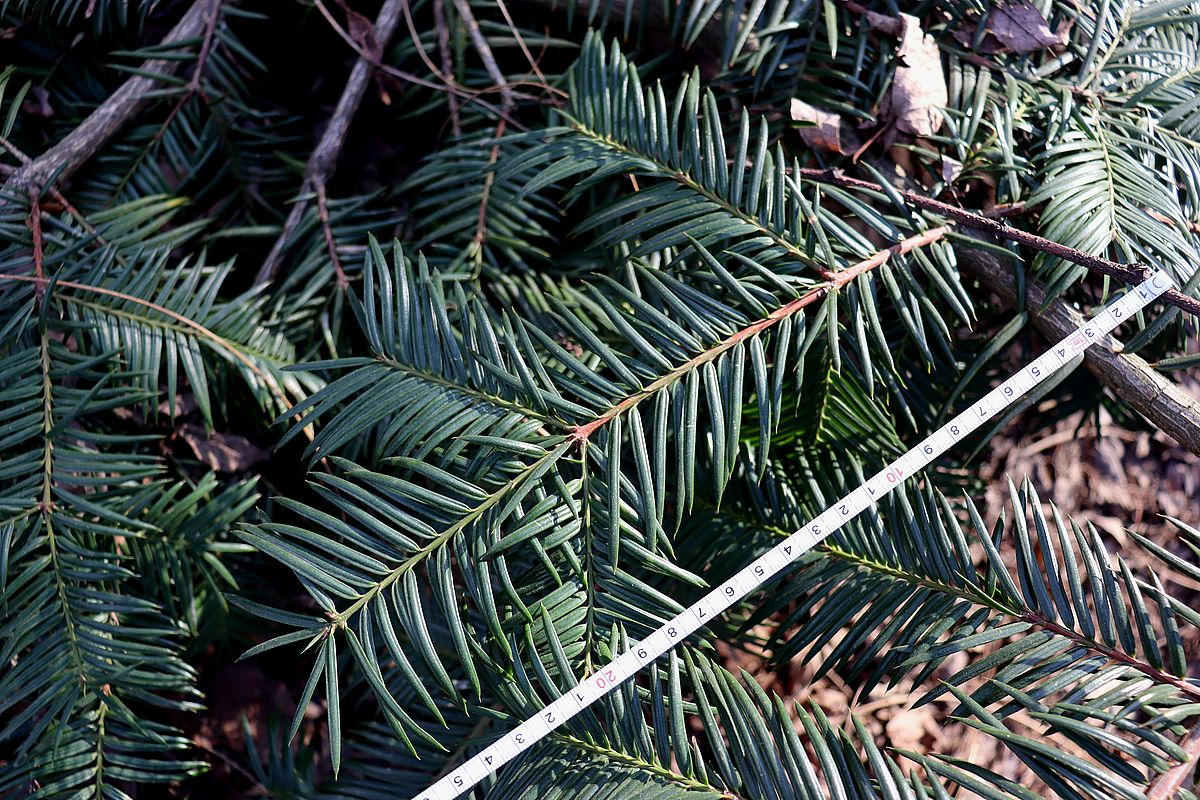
<point>481,223</point>
<point>1115,654</point>
<point>193,89</point>
<point>327,229</point>
<point>35,229</point>
<point>581,433</point>
<point>1167,785</point>
<point>210,31</point>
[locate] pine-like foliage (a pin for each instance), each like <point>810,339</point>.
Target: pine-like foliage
<point>601,337</point>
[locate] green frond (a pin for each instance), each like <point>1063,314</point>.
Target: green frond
<point>637,331</point>
<point>1102,195</point>
<point>1071,635</point>
<point>461,222</point>
<point>741,202</point>
<point>182,563</point>
<point>169,322</point>
<point>85,658</point>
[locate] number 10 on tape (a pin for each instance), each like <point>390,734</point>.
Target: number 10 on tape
<point>640,654</point>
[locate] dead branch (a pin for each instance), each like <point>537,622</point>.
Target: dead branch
<point>485,53</point>
<point>323,160</point>
<point>443,40</point>
<point>1167,785</point>
<point>1128,376</point>
<point>1127,273</point>
<point>64,158</point>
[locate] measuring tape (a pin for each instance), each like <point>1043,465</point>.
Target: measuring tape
<point>608,677</point>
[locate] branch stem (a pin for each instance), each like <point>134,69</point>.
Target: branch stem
<point>1161,401</point>
<point>1126,273</point>
<point>1114,654</point>
<point>63,159</point>
<point>582,432</point>
<point>323,160</point>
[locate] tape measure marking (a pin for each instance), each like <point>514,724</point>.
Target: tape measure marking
<point>766,566</point>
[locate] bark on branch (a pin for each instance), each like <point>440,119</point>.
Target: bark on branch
<point>1127,273</point>
<point>323,160</point>
<point>60,161</point>
<point>1181,776</point>
<point>1129,376</point>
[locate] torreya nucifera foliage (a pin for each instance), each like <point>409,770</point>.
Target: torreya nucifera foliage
<point>424,362</point>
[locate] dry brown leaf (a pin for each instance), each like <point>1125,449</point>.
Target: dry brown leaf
<point>824,131</point>
<point>951,169</point>
<point>1021,28</point>
<point>362,31</point>
<point>224,452</point>
<point>919,87</point>
<point>183,405</point>
<point>906,730</point>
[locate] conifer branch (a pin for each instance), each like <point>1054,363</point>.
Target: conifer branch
<point>1126,273</point>
<point>583,432</point>
<point>1129,376</point>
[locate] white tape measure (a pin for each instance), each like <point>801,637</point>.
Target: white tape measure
<point>608,677</point>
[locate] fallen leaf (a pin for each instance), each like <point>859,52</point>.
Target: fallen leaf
<point>224,452</point>
<point>183,405</point>
<point>906,730</point>
<point>1021,28</point>
<point>951,169</point>
<point>824,129</point>
<point>362,31</point>
<point>919,86</point>
<point>1013,28</point>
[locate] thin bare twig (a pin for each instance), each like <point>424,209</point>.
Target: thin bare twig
<point>485,53</point>
<point>63,159</point>
<point>469,95</point>
<point>323,160</point>
<point>533,64</point>
<point>1127,273</point>
<point>330,244</point>
<point>443,40</point>
<point>480,236</point>
<point>1167,785</point>
<point>1129,376</point>
<point>445,74</point>
<point>205,48</point>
